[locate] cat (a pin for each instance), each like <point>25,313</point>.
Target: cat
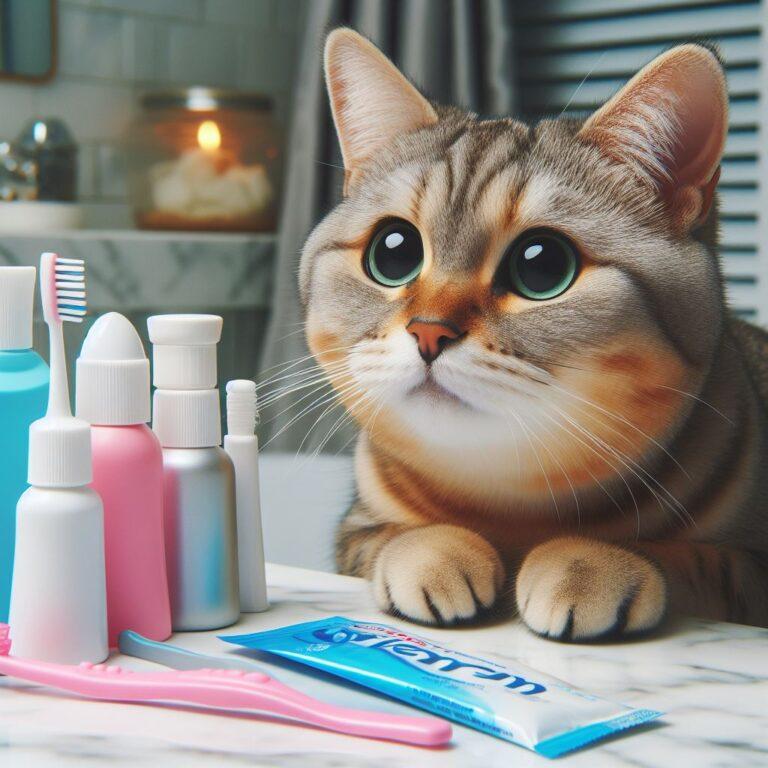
<point>528,324</point>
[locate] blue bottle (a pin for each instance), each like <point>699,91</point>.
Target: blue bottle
<point>23,399</point>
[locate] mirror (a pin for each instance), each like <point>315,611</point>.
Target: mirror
<point>27,39</point>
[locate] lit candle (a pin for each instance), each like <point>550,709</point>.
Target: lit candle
<point>209,136</point>
<point>209,183</point>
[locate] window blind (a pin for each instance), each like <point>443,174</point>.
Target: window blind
<point>574,54</point>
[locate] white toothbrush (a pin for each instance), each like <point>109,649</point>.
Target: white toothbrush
<point>58,597</point>
<point>62,289</point>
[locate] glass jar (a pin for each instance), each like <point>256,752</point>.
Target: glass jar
<point>205,159</point>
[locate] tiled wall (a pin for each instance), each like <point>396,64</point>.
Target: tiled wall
<point>112,50</point>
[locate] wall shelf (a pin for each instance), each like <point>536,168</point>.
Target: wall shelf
<point>165,271</point>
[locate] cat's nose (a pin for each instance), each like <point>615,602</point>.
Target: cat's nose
<point>432,336</point>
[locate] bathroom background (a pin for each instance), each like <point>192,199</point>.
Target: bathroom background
<point>184,148</point>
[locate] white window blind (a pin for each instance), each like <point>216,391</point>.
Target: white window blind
<point>574,54</point>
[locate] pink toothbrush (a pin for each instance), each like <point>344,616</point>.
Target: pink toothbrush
<point>226,689</point>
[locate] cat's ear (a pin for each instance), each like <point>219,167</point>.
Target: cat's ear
<point>670,122</point>
<point>372,101</point>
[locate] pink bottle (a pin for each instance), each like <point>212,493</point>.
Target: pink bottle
<point>113,395</point>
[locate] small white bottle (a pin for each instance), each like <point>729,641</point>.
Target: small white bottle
<point>242,445</point>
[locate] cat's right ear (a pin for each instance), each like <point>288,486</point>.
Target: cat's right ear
<point>670,123</point>
<point>371,100</point>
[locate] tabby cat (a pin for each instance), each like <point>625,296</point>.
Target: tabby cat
<point>528,325</point>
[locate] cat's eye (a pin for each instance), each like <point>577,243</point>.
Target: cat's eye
<point>395,254</point>
<point>541,265</point>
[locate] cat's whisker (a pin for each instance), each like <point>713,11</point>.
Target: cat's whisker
<point>361,397</point>
<point>581,84</point>
<point>603,372</point>
<point>616,470</point>
<point>603,457</point>
<point>295,376</point>
<point>288,364</point>
<point>625,459</point>
<point>562,469</point>
<point>320,376</point>
<point>294,386</point>
<point>623,420</point>
<point>319,387</point>
<point>525,432</point>
<point>317,403</point>
<point>333,401</point>
<point>677,507</point>
<point>699,400</point>
<point>314,454</point>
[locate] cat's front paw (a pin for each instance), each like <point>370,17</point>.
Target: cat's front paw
<point>577,590</point>
<point>438,574</point>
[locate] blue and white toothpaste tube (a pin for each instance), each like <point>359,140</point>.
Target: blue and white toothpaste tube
<point>518,704</point>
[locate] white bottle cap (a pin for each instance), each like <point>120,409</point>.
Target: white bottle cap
<point>184,350</point>
<point>187,418</point>
<point>59,453</point>
<point>113,374</point>
<point>17,298</point>
<point>242,411</point>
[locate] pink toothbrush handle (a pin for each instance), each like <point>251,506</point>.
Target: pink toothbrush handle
<point>228,690</point>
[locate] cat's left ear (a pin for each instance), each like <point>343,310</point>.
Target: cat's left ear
<point>371,100</point>
<point>670,123</point>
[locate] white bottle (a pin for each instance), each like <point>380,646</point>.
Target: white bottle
<point>58,596</point>
<point>242,445</point>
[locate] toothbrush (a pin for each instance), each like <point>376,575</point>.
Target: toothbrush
<point>224,689</point>
<point>64,282</point>
<point>133,644</point>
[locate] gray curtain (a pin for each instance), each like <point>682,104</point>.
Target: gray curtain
<point>458,52</point>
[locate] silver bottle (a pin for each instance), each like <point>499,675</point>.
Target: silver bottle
<point>198,476</point>
<point>201,538</point>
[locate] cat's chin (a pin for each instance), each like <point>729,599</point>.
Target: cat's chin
<point>432,392</point>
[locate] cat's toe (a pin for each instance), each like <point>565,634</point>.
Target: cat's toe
<point>437,575</point>
<point>576,590</point>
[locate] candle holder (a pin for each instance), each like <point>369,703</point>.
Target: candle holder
<point>205,159</point>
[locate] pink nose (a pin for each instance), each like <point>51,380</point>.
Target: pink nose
<point>432,336</point>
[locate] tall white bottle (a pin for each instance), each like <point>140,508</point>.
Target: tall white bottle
<point>58,596</point>
<point>242,445</point>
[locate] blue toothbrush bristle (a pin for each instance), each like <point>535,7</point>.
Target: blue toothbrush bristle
<point>71,301</point>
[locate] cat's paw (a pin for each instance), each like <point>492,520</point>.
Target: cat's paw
<point>439,574</point>
<point>577,590</point>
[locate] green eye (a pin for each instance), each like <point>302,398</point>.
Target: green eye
<point>395,254</point>
<point>542,265</point>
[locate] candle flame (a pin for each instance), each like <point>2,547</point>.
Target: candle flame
<point>209,135</point>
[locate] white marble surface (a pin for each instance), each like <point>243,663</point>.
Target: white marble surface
<point>168,271</point>
<point>711,679</point>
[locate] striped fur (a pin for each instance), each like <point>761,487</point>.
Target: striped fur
<point>600,454</point>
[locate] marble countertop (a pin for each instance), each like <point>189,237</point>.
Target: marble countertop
<point>710,678</point>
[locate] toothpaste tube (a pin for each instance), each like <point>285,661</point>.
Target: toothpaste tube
<point>516,703</point>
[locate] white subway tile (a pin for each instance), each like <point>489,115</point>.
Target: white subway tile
<point>191,10</point>
<point>113,168</point>
<point>265,61</point>
<point>93,110</point>
<point>145,49</point>
<point>16,108</point>
<point>243,13</point>
<point>86,172</point>
<point>289,14</point>
<point>90,42</point>
<point>203,55</point>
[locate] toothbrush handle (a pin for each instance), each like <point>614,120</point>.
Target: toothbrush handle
<point>226,690</point>
<point>421,730</point>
